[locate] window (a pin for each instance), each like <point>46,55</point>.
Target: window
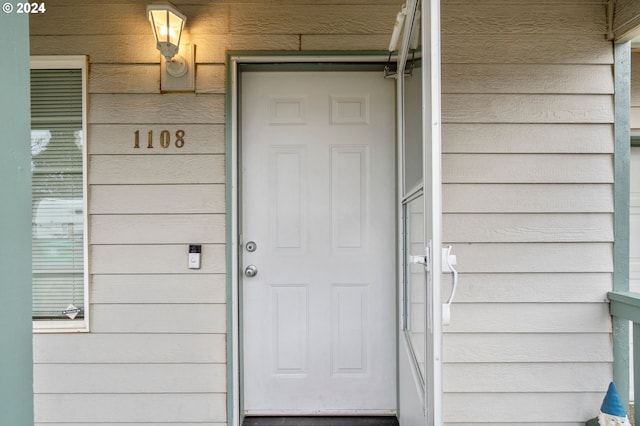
<point>58,166</point>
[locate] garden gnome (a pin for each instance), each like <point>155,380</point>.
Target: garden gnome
<point>612,412</point>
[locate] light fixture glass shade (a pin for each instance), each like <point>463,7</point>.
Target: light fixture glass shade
<point>167,23</point>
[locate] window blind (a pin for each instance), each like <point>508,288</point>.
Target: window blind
<point>57,191</point>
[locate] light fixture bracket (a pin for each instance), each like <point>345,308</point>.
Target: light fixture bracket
<point>177,66</point>
<point>178,75</point>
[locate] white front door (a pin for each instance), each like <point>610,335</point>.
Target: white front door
<point>317,191</point>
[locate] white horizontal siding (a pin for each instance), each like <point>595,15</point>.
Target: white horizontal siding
<point>528,198</point>
<point>157,169</point>
<point>154,259</point>
<point>482,407</point>
<point>124,78</point>
<point>159,288</point>
<point>211,78</point>
<point>538,378</point>
<point>156,353</point>
<point>500,48</point>
<point>538,138</point>
<point>110,348</point>
<point>157,229</point>
<point>156,199</point>
<point>139,48</point>
<point>481,348</point>
<point>525,78</point>
<point>312,18</point>
<point>144,78</point>
<point>157,350</point>
<point>529,318</point>
<point>577,17</point>
<point>542,287</point>
<point>153,109</point>
<point>517,108</point>
<point>330,42</point>
<point>69,19</point>
<point>118,139</point>
<point>130,378</point>
<point>196,318</point>
<point>527,109</point>
<point>533,227</point>
<point>533,168</point>
<point>534,257</point>
<point>122,407</point>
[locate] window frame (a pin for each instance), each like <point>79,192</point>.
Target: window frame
<point>76,325</point>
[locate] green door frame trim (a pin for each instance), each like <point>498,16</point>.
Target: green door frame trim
<point>237,62</point>
<point>622,152</point>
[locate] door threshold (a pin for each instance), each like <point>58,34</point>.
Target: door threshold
<point>321,421</point>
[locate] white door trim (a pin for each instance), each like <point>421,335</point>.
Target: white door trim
<point>234,61</point>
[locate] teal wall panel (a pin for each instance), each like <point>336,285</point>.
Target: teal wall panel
<point>16,359</point>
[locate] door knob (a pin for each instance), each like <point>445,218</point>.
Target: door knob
<point>251,271</point>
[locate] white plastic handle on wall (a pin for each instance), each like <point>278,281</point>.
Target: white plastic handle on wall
<point>448,260</point>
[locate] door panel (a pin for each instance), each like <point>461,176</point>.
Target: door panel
<point>318,201</point>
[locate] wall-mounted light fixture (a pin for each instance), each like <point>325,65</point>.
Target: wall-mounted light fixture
<point>168,23</point>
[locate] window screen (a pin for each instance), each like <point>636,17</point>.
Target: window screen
<point>57,191</point>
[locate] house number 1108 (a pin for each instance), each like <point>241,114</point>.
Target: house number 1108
<point>165,139</point>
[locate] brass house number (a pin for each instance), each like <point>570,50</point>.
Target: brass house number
<point>165,139</point>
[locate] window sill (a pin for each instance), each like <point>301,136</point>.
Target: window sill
<point>62,326</point>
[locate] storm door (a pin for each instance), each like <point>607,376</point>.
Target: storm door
<point>420,336</point>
